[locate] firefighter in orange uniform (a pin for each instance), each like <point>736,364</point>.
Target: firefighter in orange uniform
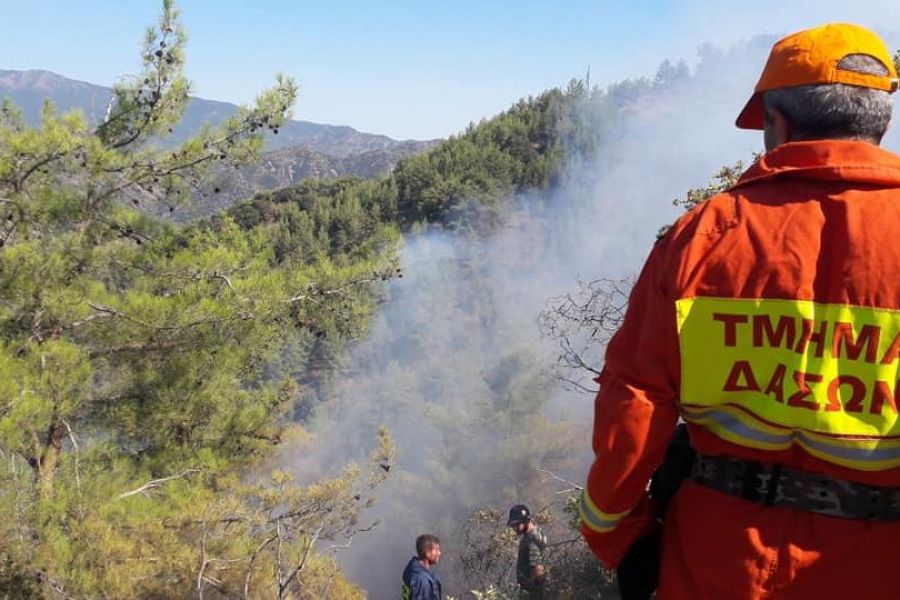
<point>768,319</point>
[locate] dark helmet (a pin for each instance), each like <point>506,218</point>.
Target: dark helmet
<point>518,514</point>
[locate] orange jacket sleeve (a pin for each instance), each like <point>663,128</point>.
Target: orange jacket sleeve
<point>635,414</point>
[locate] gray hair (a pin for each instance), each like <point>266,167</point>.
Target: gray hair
<point>836,110</point>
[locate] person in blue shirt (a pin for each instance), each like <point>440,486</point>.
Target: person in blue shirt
<point>420,582</point>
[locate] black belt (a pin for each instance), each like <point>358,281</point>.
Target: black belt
<point>777,485</point>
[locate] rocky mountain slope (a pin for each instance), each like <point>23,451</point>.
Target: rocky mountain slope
<point>300,150</point>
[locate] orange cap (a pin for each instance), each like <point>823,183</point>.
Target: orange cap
<point>811,57</point>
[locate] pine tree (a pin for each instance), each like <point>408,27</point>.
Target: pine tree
<point>134,388</point>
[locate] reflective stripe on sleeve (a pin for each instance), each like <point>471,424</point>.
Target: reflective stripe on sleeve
<point>596,519</point>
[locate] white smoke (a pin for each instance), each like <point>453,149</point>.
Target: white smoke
<point>459,330</point>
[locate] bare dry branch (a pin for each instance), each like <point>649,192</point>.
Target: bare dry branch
<point>77,454</point>
<point>313,290</point>
<point>157,483</point>
<point>253,560</point>
<point>282,588</point>
<point>582,323</point>
<point>553,475</point>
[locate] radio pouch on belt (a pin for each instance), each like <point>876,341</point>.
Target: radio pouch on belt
<point>638,573</point>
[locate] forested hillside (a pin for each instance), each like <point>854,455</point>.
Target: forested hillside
<point>149,368</point>
<point>469,180</point>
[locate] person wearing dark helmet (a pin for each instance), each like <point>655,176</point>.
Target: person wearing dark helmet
<point>768,319</point>
<point>531,573</point>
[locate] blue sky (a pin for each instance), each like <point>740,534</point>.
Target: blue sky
<point>408,69</point>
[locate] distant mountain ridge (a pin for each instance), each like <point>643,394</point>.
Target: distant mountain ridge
<point>283,169</point>
<point>29,89</point>
<point>301,149</point>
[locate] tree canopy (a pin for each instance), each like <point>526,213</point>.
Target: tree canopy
<point>137,358</point>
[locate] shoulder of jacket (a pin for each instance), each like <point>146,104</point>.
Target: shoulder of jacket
<point>710,218</point>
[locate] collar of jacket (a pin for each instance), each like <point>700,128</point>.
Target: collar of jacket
<point>415,565</point>
<point>845,160</point>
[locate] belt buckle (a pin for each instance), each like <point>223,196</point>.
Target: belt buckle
<point>761,482</point>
